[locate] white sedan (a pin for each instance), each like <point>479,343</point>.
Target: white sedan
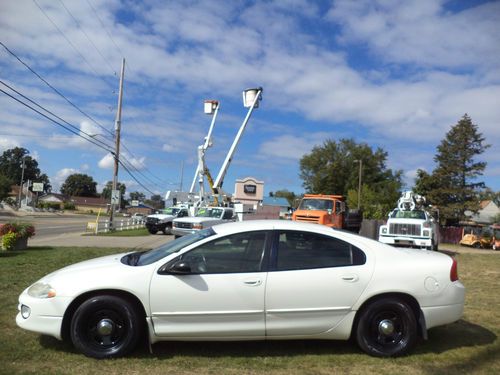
<point>251,280</point>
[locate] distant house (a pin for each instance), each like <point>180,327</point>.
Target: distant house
<point>280,202</point>
<point>488,209</point>
<point>89,204</point>
<point>140,209</point>
<point>53,198</point>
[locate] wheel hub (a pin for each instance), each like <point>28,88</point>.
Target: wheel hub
<point>105,327</point>
<point>386,327</point>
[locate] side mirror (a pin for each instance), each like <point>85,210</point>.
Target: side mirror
<point>180,267</point>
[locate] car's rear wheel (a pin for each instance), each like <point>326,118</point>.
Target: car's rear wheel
<point>477,245</point>
<point>386,328</point>
<point>105,327</point>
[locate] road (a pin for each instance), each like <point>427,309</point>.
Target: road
<point>52,224</point>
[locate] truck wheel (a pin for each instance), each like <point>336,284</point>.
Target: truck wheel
<point>168,229</point>
<point>476,245</point>
<point>434,246</point>
<point>152,230</point>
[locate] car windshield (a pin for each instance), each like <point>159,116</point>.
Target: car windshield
<point>210,212</point>
<point>316,204</point>
<point>415,214</point>
<point>171,211</point>
<point>171,247</point>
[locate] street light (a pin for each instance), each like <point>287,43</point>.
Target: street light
<point>359,180</point>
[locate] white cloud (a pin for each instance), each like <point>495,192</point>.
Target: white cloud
<point>60,177</point>
<point>8,143</point>
<point>107,162</point>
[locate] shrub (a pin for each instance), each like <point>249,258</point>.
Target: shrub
<point>21,230</point>
<point>69,206</point>
<point>9,241</point>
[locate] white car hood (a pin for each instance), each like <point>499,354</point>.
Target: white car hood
<point>197,219</point>
<point>162,216</point>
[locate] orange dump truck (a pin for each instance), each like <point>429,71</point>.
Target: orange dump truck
<point>329,210</point>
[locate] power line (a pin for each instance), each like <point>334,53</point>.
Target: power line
<point>136,180</point>
<point>53,114</point>
<point>107,32</point>
<point>54,121</point>
<point>70,43</point>
<point>54,89</point>
<point>86,35</point>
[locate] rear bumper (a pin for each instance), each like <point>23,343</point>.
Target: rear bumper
<point>450,312</point>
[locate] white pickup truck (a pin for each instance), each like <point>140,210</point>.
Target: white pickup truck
<point>162,221</point>
<point>410,225</point>
<point>205,218</point>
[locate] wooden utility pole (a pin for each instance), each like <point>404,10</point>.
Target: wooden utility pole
<point>118,124</point>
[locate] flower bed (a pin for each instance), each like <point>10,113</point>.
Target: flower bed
<point>14,235</point>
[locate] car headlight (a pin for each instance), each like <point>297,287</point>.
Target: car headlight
<point>384,230</point>
<point>426,233</point>
<point>197,226</point>
<point>41,290</point>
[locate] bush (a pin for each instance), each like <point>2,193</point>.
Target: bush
<point>9,241</point>
<point>21,230</point>
<point>69,206</point>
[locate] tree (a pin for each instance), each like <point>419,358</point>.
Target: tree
<point>11,162</point>
<point>453,185</point>
<point>80,185</point>
<point>137,196</point>
<point>332,169</point>
<point>5,186</point>
<point>106,191</point>
<point>284,193</point>
<point>156,201</point>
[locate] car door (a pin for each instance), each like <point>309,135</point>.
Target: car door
<point>222,295</point>
<point>313,282</point>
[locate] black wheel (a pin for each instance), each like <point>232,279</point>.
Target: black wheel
<point>476,245</point>
<point>386,328</point>
<point>152,230</point>
<point>106,327</point>
<point>167,229</point>
<point>435,246</point>
<point>176,236</point>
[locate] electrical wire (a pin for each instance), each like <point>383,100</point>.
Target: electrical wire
<point>70,43</point>
<point>88,38</point>
<point>54,89</point>
<point>55,122</point>
<point>107,32</point>
<point>53,114</point>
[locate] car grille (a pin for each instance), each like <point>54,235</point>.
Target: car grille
<point>405,229</point>
<point>307,219</point>
<point>152,220</point>
<point>183,225</point>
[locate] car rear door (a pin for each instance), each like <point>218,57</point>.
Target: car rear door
<point>313,282</point>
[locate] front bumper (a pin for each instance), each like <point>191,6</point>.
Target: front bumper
<point>183,231</point>
<point>45,314</point>
<point>405,241</point>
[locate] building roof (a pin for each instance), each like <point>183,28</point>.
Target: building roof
<point>275,201</point>
<point>60,197</point>
<point>90,201</point>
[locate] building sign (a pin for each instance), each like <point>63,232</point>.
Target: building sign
<point>134,203</point>
<point>250,189</point>
<point>37,186</point>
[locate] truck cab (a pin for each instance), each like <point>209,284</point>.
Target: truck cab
<point>321,209</point>
<point>162,221</point>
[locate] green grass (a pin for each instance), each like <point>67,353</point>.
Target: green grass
<point>127,233</point>
<point>470,346</point>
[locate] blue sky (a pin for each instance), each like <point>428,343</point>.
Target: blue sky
<point>394,74</point>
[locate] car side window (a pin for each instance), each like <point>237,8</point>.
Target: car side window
<point>241,252</point>
<point>228,215</point>
<point>306,250</point>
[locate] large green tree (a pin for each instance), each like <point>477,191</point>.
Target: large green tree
<point>453,186</point>
<point>156,201</point>
<point>333,168</point>
<point>11,162</point>
<point>106,191</point>
<point>5,186</point>
<point>80,185</point>
<point>290,196</point>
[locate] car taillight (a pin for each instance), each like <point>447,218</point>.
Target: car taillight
<point>454,270</point>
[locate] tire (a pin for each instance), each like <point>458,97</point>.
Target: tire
<point>176,236</point>
<point>106,327</point>
<point>476,245</point>
<point>386,328</point>
<point>167,229</point>
<point>152,230</point>
<point>434,246</point>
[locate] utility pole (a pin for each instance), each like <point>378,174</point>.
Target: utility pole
<point>118,124</point>
<point>359,181</point>
<point>21,184</point>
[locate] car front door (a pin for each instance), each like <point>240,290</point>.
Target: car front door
<point>313,283</point>
<point>221,295</point>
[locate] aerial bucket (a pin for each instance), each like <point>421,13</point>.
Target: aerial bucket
<point>249,96</point>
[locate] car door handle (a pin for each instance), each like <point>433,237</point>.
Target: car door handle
<point>252,282</point>
<point>350,278</point>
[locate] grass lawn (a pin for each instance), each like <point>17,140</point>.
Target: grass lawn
<point>126,233</point>
<point>470,346</point>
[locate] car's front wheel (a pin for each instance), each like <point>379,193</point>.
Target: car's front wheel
<point>167,229</point>
<point>152,230</point>
<point>386,328</point>
<point>106,327</point>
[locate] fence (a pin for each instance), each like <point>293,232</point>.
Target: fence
<point>119,225</point>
